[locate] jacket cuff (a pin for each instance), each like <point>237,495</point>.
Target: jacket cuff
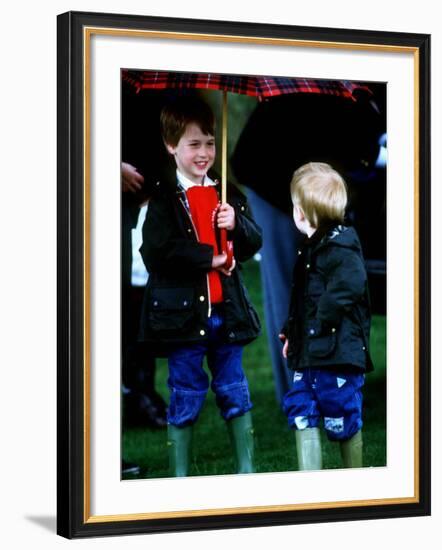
<point>206,257</point>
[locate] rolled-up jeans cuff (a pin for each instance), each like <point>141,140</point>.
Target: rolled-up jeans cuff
<point>233,400</point>
<point>185,406</point>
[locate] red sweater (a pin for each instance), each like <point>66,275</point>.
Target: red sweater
<point>203,203</point>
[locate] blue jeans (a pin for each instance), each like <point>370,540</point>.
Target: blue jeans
<point>323,394</point>
<point>188,381</point>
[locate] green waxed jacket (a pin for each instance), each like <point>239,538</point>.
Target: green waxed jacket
<point>329,316</point>
<point>176,303</point>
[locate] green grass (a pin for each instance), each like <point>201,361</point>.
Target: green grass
<point>274,442</point>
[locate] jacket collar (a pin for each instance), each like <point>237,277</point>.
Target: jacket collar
<point>186,183</point>
<point>332,233</point>
<point>320,233</point>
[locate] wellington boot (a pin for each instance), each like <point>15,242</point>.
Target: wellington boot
<point>351,451</point>
<point>308,449</point>
<point>179,441</point>
<point>241,437</point>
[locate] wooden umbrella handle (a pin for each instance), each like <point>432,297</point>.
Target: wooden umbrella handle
<point>224,152</point>
<point>226,245</point>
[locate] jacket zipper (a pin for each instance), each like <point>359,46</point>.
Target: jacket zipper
<point>209,308</point>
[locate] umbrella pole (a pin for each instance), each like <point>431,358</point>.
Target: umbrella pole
<point>224,152</point>
<point>226,245</point>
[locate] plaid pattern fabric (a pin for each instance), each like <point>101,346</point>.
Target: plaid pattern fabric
<point>261,87</point>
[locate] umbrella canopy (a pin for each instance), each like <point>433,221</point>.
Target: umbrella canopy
<point>262,87</point>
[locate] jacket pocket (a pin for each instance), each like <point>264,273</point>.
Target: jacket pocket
<point>321,342</point>
<point>171,309</point>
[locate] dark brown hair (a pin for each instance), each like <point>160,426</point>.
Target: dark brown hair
<point>185,110</point>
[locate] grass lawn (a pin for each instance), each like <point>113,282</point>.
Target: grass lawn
<point>274,442</point>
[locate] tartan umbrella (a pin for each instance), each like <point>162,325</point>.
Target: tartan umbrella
<point>261,87</point>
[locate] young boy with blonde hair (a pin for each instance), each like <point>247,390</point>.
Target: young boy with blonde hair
<point>327,333</point>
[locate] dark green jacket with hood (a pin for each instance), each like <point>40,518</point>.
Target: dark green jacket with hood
<point>329,318</point>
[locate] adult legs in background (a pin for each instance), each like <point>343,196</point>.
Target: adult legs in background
<point>279,253</point>
<point>142,404</point>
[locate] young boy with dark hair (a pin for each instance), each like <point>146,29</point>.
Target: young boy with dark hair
<point>195,306</point>
<point>327,332</point>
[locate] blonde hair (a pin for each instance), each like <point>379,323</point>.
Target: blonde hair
<point>321,193</point>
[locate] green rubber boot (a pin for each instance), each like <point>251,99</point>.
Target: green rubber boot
<point>351,451</point>
<point>241,437</point>
<point>179,441</point>
<point>308,449</point>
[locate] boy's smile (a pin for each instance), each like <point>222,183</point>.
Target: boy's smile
<point>194,154</point>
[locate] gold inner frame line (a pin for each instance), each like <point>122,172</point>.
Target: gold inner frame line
<point>87,33</point>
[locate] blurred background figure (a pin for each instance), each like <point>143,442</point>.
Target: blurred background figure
<point>142,404</point>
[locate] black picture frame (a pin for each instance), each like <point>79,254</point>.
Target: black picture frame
<point>73,509</point>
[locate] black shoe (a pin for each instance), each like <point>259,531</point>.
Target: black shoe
<point>129,468</point>
<point>141,409</point>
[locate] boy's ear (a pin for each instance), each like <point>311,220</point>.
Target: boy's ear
<point>300,213</point>
<point>170,148</point>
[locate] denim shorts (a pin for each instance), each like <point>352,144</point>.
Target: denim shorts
<point>188,381</point>
<point>331,396</point>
